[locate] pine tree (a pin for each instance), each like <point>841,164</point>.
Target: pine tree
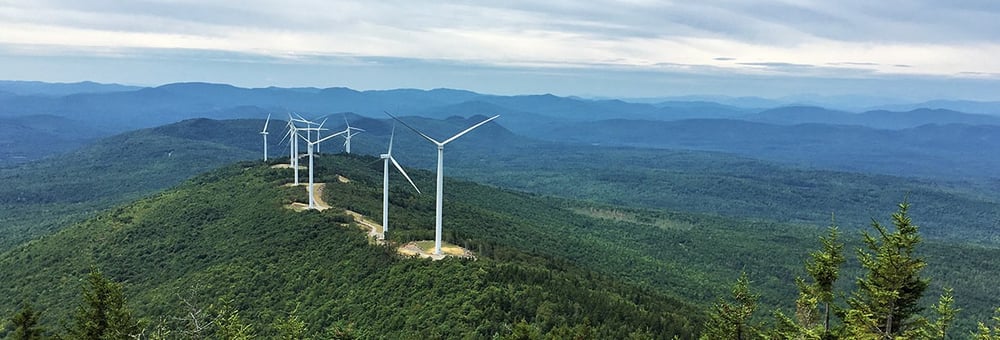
<point>937,330</point>
<point>885,303</point>
<point>25,324</point>
<point>824,269</point>
<point>989,332</point>
<point>731,320</point>
<point>103,313</point>
<point>291,328</point>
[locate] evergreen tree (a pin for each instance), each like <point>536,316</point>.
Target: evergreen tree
<point>824,268</point>
<point>291,328</point>
<point>938,329</point>
<point>989,332</point>
<point>885,303</point>
<point>731,319</point>
<point>232,326</point>
<point>25,324</point>
<point>103,313</point>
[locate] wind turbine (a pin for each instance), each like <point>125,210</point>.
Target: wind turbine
<point>293,147</point>
<point>387,156</point>
<point>348,134</point>
<point>309,148</point>
<point>264,133</point>
<point>440,173</point>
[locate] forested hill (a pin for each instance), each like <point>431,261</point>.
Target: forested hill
<point>225,234</point>
<point>227,237</point>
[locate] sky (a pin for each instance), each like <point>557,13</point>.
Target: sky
<point>908,49</point>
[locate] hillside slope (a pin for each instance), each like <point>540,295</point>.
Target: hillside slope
<point>227,235</point>
<point>40,197</point>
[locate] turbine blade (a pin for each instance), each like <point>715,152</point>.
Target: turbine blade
<point>391,136</point>
<point>327,137</point>
<point>268,120</point>
<point>470,129</point>
<point>414,129</point>
<point>285,136</point>
<point>303,138</point>
<point>404,173</point>
<point>321,124</point>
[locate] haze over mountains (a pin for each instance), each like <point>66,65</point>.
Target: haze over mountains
<point>933,140</point>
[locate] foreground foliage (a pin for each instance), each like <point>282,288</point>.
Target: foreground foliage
<point>885,305</point>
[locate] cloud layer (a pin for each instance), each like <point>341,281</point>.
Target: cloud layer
<point>852,38</point>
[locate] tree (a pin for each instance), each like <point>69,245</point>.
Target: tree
<point>291,328</point>
<point>25,324</point>
<point>824,270</point>
<point>232,326</point>
<point>938,329</point>
<point>989,332</point>
<point>731,320</point>
<point>885,303</point>
<point>103,313</point>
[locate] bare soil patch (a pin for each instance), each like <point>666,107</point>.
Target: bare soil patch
<point>425,249</point>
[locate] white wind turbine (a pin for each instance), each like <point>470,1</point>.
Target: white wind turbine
<point>295,142</point>
<point>440,174</point>
<point>387,156</point>
<point>309,148</point>
<point>264,133</point>
<point>293,147</point>
<point>348,134</point>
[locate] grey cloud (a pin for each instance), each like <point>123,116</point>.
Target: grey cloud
<point>853,63</point>
<point>778,65</point>
<point>768,23</point>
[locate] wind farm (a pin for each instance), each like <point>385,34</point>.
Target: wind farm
<point>301,128</point>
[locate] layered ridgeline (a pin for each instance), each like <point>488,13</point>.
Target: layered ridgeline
<point>932,139</point>
<point>229,237</point>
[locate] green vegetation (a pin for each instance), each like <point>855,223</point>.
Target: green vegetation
<point>40,198</point>
<point>884,306</point>
<point>728,185</point>
<point>226,235</point>
<point>175,252</point>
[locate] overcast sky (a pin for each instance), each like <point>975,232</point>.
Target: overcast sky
<point>916,49</point>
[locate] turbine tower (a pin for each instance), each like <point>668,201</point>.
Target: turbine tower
<point>387,156</point>
<point>264,133</point>
<point>309,148</point>
<point>293,147</point>
<point>440,174</point>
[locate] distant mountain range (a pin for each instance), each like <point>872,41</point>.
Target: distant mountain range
<point>118,107</point>
<point>935,142</point>
<point>37,88</point>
